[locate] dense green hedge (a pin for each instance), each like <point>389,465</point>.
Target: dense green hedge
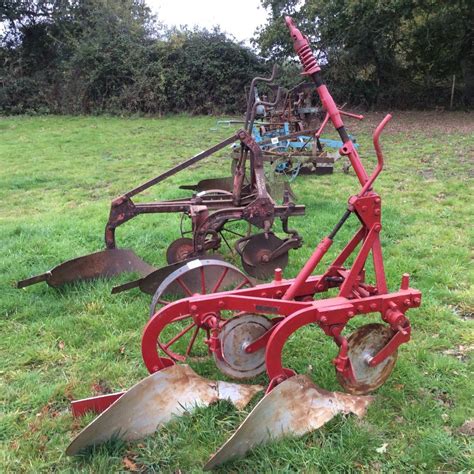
<point>97,56</point>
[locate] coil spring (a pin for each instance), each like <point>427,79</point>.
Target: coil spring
<point>307,59</point>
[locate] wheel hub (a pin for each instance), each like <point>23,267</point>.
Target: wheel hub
<point>256,256</point>
<point>235,336</point>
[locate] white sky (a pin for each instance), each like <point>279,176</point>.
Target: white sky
<point>240,18</point>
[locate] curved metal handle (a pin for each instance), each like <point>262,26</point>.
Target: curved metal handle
<point>378,151</point>
<point>261,102</point>
<point>251,97</point>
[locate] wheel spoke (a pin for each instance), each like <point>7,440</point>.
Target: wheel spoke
<point>203,281</point>
<point>244,282</point>
<point>221,279</point>
<point>191,342</point>
<point>179,335</point>
<point>232,232</point>
<point>184,287</point>
<point>225,240</point>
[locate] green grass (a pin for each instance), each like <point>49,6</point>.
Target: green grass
<point>57,177</point>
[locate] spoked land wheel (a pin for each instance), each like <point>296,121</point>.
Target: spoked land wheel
<point>364,343</point>
<point>198,277</point>
<point>236,334</point>
<point>176,338</point>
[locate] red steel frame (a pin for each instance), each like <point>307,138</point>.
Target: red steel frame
<point>292,300</point>
<point>290,303</point>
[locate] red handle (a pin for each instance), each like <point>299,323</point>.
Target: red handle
<point>378,151</point>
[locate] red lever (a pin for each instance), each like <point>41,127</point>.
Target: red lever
<point>378,151</point>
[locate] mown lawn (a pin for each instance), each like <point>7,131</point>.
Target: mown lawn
<point>57,177</point>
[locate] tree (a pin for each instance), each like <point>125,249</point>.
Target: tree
<point>381,52</point>
<point>91,56</point>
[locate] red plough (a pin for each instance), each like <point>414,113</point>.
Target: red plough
<point>246,329</point>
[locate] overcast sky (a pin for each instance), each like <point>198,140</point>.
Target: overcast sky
<point>239,18</point>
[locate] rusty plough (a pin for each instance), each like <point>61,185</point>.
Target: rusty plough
<point>289,128</point>
<point>211,211</point>
<point>246,330</point>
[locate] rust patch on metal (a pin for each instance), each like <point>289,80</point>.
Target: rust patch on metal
<point>293,408</point>
<point>154,401</point>
<point>363,344</point>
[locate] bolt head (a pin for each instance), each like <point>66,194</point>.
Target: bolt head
<point>193,308</point>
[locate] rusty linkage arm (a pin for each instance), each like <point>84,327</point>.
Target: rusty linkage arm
<point>123,208</point>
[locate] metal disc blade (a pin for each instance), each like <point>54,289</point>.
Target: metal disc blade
<point>363,344</point>
<point>179,250</point>
<point>155,401</point>
<point>293,408</point>
<point>234,337</point>
<point>256,249</point>
<point>106,263</point>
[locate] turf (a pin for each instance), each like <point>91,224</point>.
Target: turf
<point>57,177</point>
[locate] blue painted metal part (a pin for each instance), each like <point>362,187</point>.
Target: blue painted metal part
<point>295,144</point>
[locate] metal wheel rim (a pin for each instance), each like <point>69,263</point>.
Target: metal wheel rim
<point>253,248</point>
<point>228,274</point>
<point>235,335</point>
<point>364,343</point>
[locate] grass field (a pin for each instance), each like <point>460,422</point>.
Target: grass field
<point>57,177</point>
